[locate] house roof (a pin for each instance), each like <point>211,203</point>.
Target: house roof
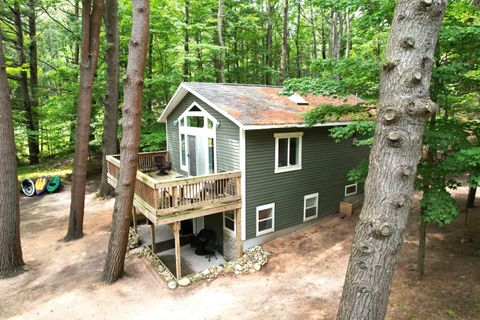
<point>255,106</point>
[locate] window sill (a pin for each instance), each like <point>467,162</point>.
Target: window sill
<point>310,218</point>
<point>287,169</point>
<point>261,233</point>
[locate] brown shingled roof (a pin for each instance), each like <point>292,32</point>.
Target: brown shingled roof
<point>262,105</point>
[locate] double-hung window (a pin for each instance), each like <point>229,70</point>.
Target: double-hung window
<point>265,219</point>
<point>288,151</point>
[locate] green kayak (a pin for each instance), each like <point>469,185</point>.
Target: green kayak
<point>53,184</point>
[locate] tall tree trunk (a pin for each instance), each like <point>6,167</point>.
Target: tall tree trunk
<point>11,260</point>
<point>91,23</point>
<point>221,59</point>
<point>471,197</point>
<point>347,31</point>
<point>110,120</point>
<point>30,121</point>
<point>32,33</point>
<point>314,31</point>
<point>297,41</point>
<point>186,44</point>
<point>422,237</point>
<point>283,66</point>
<point>150,71</point>
<point>268,44</point>
<point>76,56</point>
<point>132,113</point>
<point>404,105</point>
<point>324,39</point>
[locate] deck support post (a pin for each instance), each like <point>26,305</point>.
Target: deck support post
<point>178,259</point>
<point>153,237</point>
<point>134,213</point>
<point>238,232</point>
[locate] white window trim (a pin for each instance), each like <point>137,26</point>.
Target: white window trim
<point>208,132</point>
<point>305,198</point>
<point>264,207</point>
<point>351,193</point>
<point>232,232</point>
<point>288,168</point>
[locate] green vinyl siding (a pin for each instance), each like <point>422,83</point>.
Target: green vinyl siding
<point>227,137</point>
<point>325,165</point>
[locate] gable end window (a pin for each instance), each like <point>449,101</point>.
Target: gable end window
<point>265,219</point>
<point>351,189</point>
<point>288,151</point>
<point>310,207</point>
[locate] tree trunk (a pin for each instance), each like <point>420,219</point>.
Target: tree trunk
<point>221,59</point>
<point>76,56</point>
<point>32,33</point>
<point>314,31</point>
<point>11,260</point>
<point>283,66</point>
<point>32,129</point>
<point>471,197</point>
<point>110,120</point>
<point>150,71</point>
<point>324,40</point>
<point>422,237</point>
<point>347,31</point>
<point>268,44</point>
<point>186,63</point>
<point>404,105</point>
<point>91,23</point>
<point>132,112</point>
<point>297,41</point>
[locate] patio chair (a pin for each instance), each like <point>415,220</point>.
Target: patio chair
<point>162,164</point>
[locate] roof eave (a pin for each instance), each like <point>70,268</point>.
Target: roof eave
<point>293,125</point>
<point>179,94</point>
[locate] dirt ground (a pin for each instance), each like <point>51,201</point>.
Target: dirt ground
<point>302,280</point>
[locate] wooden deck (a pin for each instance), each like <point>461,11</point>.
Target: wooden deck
<point>168,199</point>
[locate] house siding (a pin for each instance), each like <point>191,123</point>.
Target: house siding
<point>227,137</point>
<point>325,165</point>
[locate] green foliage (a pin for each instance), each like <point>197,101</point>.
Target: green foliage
<point>327,112</point>
<point>439,207</point>
<point>359,173</point>
<point>355,129</point>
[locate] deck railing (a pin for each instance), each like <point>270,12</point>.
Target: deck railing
<point>177,195</point>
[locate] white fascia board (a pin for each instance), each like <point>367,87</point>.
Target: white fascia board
<point>176,98</point>
<point>299,125</point>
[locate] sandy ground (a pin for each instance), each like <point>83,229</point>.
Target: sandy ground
<point>302,280</point>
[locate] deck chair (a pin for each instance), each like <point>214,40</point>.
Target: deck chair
<point>162,164</point>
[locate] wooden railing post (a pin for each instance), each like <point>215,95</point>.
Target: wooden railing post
<point>238,232</point>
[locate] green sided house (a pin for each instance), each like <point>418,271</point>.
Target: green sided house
<point>244,165</point>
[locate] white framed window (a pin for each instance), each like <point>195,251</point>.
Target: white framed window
<point>229,221</point>
<point>288,151</point>
<point>310,207</point>
<point>197,131</point>
<point>351,189</point>
<point>265,219</point>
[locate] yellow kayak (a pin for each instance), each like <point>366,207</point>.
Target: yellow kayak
<point>41,185</point>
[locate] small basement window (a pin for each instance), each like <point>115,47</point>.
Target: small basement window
<point>310,207</point>
<point>229,221</point>
<point>288,151</point>
<point>351,189</point>
<point>265,219</point>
